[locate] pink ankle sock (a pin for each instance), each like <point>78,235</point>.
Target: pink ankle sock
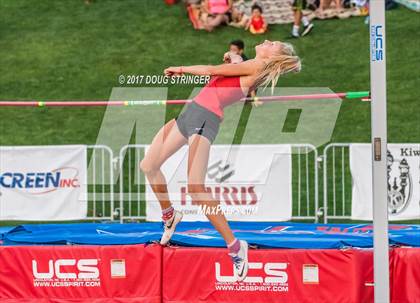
<point>234,247</point>
<point>167,213</point>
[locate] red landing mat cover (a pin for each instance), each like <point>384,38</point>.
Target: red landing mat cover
<point>134,273</point>
<point>405,275</point>
<point>206,275</point>
<point>98,274</point>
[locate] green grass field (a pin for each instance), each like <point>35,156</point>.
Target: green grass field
<point>65,50</point>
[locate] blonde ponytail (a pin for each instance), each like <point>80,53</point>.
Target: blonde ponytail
<point>279,64</point>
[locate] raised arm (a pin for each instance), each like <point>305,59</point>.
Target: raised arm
<point>246,68</point>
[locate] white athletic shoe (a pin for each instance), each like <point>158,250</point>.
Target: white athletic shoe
<point>307,29</point>
<point>169,227</point>
<point>240,260</point>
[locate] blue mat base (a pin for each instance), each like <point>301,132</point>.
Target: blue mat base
<point>202,234</point>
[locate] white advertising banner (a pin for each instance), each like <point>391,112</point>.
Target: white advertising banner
<point>403,181</point>
<point>43,182</point>
<point>252,182</point>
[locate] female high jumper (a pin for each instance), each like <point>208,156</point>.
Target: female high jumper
<point>198,126</point>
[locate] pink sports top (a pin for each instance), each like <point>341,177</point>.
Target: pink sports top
<point>219,93</point>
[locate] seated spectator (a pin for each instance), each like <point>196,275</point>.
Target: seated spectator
<point>330,9</point>
<point>325,4</point>
<point>257,24</point>
<point>194,13</point>
<point>216,12</point>
<point>237,47</point>
<point>239,18</point>
<point>298,6</point>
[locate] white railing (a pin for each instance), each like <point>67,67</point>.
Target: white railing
<point>337,176</point>
<point>100,177</point>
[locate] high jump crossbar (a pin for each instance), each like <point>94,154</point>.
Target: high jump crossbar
<point>347,95</point>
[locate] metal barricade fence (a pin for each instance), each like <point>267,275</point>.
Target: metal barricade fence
<point>131,184</point>
<point>337,181</point>
<point>304,183</point>
<point>100,177</point>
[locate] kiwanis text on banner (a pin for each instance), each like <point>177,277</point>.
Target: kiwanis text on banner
<point>403,162</point>
<point>252,182</point>
<point>43,182</point>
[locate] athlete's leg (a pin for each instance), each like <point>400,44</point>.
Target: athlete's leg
<point>198,156</point>
<point>166,142</point>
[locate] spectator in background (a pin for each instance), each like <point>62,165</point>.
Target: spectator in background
<point>256,24</point>
<point>218,12</point>
<point>239,18</point>
<point>238,47</point>
<point>298,6</point>
<point>325,4</point>
<point>330,9</point>
<point>195,14</point>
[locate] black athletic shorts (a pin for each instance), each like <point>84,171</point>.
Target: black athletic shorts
<point>197,119</point>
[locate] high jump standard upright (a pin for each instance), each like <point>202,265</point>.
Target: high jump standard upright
<point>379,150</point>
